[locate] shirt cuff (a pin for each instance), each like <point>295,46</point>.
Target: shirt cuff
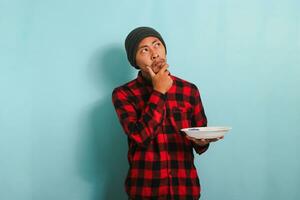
<point>200,149</point>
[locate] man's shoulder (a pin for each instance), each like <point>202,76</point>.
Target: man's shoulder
<point>126,86</point>
<point>183,82</point>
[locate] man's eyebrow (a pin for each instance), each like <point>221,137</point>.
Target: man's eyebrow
<point>147,45</point>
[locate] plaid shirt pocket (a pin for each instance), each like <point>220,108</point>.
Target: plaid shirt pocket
<point>180,117</point>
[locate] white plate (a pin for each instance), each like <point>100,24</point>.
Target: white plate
<point>206,132</point>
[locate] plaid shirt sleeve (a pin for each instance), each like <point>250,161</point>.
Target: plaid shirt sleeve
<point>199,118</point>
<point>141,129</point>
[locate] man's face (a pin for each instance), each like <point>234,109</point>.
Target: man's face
<point>151,52</point>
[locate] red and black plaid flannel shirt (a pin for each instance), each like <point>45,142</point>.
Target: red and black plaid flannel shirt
<point>161,159</point>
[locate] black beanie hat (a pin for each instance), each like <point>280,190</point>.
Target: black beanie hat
<point>135,37</point>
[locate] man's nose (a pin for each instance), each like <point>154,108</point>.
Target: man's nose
<point>154,55</point>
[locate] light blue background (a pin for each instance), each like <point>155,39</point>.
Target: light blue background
<point>59,61</point>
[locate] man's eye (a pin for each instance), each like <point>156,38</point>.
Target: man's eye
<point>144,50</point>
<point>157,44</point>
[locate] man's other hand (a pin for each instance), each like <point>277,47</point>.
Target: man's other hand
<point>203,142</point>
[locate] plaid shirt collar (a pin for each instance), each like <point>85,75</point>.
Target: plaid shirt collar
<point>145,83</point>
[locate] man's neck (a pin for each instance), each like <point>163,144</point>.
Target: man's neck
<point>146,76</point>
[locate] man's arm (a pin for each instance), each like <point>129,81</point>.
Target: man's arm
<point>139,128</point>
<point>199,119</point>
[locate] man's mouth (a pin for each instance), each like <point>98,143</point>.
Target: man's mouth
<point>158,63</point>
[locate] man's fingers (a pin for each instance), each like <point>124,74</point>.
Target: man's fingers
<point>164,68</point>
<point>204,140</point>
<point>191,138</point>
<point>152,74</point>
<point>216,139</point>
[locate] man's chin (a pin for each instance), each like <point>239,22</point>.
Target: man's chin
<point>156,69</point>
